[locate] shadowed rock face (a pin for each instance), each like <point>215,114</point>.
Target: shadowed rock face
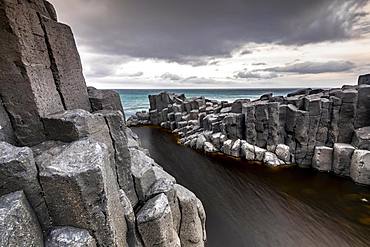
<point>18,223</point>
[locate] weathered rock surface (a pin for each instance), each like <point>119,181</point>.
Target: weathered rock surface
<point>66,66</point>
<point>155,223</point>
<point>6,130</point>
<point>191,228</point>
<point>19,226</point>
<point>27,85</point>
<point>104,100</point>
<point>360,166</point>
<point>361,138</point>
<point>18,171</point>
<point>81,190</point>
<point>67,236</point>
<point>323,159</point>
<point>342,157</point>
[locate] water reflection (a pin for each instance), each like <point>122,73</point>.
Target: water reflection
<point>251,205</point>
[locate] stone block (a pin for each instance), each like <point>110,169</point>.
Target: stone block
<point>360,167</point>
<point>18,223</point>
<point>105,100</point>
<point>323,158</point>
<point>361,138</point>
<point>191,230</point>
<point>283,153</point>
<point>66,65</point>
<point>364,79</point>
<point>247,151</point>
<point>155,223</point>
<point>342,157</point>
<point>81,191</point>
<point>18,171</point>
<point>235,149</point>
<point>363,107</point>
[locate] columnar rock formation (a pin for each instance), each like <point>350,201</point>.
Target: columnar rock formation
<point>72,173</point>
<point>301,128</point>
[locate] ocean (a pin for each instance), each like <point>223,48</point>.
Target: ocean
<point>135,100</point>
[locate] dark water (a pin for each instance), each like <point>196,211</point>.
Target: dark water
<point>251,205</point>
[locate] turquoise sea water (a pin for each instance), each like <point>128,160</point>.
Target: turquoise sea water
<point>135,100</point>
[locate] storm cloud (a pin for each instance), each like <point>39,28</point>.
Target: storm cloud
<point>314,67</point>
<point>186,31</point>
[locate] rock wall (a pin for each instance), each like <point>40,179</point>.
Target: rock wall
<point>72,173</point>
<point>301,128</point>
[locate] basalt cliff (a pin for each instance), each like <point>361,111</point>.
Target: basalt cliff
<point>327,130</point>
<point>71,172</point>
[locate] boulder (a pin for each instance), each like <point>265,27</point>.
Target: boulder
<point>66,66</point>
<point>104,100</point>
<point>18,171</point>
<point>283,152</point>
<point>259,153</point>
<point>200,142</point>
<point>81,190</point>
<point>226,148</point>
<point>18,223</point>
<point>27,85</point>
<point>364,79</point>
<point>235,149</point>
<point>247,151</point>
<point>304,91</point>
<point>66,236</point>
<point>360,167</point>
<point>191,230</point>
<point>155,223</point>
<point>342,157</point>
<point>72,125</point>
<point>216,140</point>
<point>323,158</point>
<point>209,148</point>
<point>361,138</point>
<point>271,159</point>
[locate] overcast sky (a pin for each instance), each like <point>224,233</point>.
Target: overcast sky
<point>220,43</point>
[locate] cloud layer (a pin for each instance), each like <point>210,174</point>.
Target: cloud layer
<point>183,31</point>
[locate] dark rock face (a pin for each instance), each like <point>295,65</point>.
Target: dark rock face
<point>27,89</point>
<point>67,236</point>
<point>18,171</point>
<point>19,224</point>
<point>104,100</point>
<point>66,66</point>
<point>81,191</point>
<point>361,138</point>
<point>364,79</point>
<point>6,130</point>
<point>363,109</point>
<point>51,10</point>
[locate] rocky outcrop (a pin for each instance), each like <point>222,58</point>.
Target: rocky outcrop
<point>301,128</point>
<point>71,172</point>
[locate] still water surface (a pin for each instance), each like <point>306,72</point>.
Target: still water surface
<point>252,205</point>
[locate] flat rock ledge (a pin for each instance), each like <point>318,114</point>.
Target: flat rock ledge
<point>71,172</point>
<point>327,130</point>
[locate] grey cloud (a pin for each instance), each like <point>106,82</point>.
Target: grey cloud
<point>254,75</point>
<point>314,67</point>
<point>258,64</point>
<point>172,77</point>
<point>190,31</point>
<point>137,74</point>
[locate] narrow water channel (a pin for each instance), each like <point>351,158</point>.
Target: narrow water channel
<point>251,205</point>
